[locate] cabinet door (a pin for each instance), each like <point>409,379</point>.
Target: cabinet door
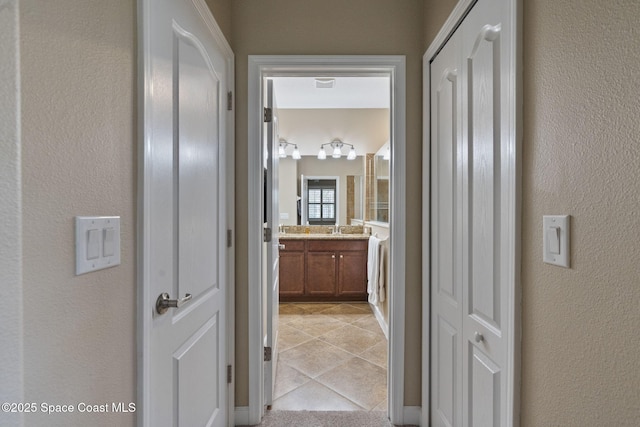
<point>321,273</point>
<point>291,273</point>
<point>352,276</point>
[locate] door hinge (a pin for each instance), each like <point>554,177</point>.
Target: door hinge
<point>267,354</point>
<point>268,115</point>
<point>267,234</point>
<point>229,100</point>
<point>229,374</point>
<point>229,238</point>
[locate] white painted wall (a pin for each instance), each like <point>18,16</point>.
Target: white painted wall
<point>11,330</point>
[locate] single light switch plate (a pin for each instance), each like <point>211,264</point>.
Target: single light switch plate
<point>97,243</point>
<point>556,238</point>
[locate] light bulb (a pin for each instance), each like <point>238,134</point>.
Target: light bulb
<point>296,153</point>
<point>352,154</point>
<point>281,152</point>
<point>387,154</point>
<point>336,152</point>
<point>322,154</point>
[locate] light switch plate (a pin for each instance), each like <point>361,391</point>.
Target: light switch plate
<point>92,251</point>
<point>556,252</point>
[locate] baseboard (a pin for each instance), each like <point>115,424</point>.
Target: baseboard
<point>242,416</point>
<point>380,318</point>
<point>412,415</point>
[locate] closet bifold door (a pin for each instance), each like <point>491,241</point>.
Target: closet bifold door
<point>473,221</point>
<point>446,237</point>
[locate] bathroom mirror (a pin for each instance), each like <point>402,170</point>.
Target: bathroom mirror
<point>355,198</point>
<point>381,184</point>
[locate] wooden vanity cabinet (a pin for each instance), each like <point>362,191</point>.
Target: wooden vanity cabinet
<point>352,274</point>
<point>334,270</point>
<point>292,268</point>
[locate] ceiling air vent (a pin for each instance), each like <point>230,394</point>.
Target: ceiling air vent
<point>325,83</point>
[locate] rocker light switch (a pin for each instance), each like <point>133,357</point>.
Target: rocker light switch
<point>93,243</point>
<point>108,246</point>
<point>553,239</point>
<point>556,234</point>
<point>97,243</point>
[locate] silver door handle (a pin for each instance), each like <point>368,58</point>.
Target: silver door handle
<point>164,302</point>
<point>478,337</point>
<point>281,246</point>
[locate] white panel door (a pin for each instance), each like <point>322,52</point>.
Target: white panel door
<point>486,243</point>
<point>271,141</point>
<point>183,249</point>
<point>446,235</point>
<point>473,217</point>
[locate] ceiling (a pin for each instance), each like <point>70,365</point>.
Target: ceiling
<point>354,110</point>
<point>347,92</point>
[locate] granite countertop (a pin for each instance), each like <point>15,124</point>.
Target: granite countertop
<point>304,236</point>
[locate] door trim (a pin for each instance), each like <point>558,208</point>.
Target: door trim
<point>227,151</point>
<point>260,66</point>
<point>515,211</point>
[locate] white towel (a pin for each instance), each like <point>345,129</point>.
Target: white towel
<point>373,269</point>
<point>382,292</point>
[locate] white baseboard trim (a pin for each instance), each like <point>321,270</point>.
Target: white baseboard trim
<point>412,415</point>
<point>380,318</point>
<point>242,416</point>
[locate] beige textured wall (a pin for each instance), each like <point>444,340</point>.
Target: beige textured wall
<point>79,145</point>
<point>436,13</point>
<point>11,336</point>
<point>317,27</point>
<point>221,10</point>
<point>581,156</point>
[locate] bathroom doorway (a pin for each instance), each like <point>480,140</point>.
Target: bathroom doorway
<point>332,354</point>
<point>324,69</point>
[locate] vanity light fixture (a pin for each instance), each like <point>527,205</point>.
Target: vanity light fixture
<point>295,155</point>
<point>336,150</point>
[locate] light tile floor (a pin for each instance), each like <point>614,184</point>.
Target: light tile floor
<point>332,357</point>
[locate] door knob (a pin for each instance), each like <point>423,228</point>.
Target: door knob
<point>164,302</point>
<point>478,337</point>
<point>281,246</point>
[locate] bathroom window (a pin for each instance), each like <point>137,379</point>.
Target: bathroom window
<point>321,202</point>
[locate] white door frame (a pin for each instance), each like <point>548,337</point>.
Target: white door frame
<point>227,151</point>
<point>11,307</point>
<point>515,106</point>
<point>261,66</point>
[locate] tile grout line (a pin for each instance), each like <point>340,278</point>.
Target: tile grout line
<point>318,338</point>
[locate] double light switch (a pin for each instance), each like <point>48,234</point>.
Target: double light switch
<point>556,239</point>
<point>97,243</point>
